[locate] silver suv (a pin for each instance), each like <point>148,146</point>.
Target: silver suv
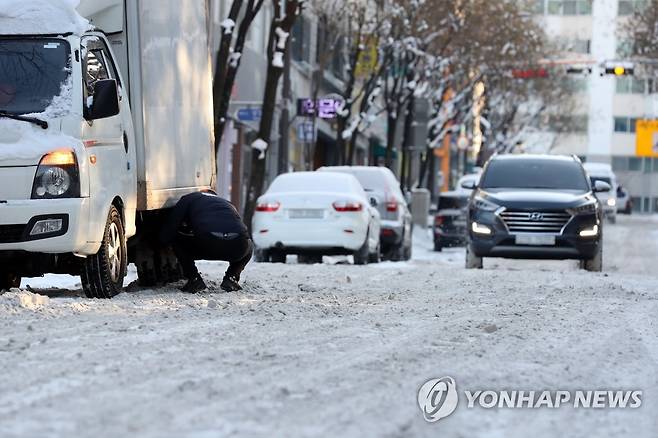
<point>396,229</point>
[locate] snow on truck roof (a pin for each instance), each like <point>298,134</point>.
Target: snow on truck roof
<point>41,17</point>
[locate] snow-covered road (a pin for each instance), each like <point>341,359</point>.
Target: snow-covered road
<point>339,350</point>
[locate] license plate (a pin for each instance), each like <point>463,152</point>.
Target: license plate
<point>306,214</point>
<point>535,240</point>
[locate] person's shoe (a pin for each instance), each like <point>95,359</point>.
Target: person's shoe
<point>194,285</point>
<point>230,284</point>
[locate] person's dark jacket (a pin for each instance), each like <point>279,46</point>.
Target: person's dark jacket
<point>203,213</point>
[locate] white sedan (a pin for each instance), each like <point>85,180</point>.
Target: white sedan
<point>312,214</point>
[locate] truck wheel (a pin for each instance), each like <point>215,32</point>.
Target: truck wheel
<point>157,265</point>
<point>104,272</point>
<point>472,261</point>
<point>595,264</point>
<point>9,281</point>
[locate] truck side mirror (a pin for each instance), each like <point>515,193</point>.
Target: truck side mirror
<point>105,100</point>
<point>601,187</point>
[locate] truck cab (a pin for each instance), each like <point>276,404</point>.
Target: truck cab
<point>87,141</point>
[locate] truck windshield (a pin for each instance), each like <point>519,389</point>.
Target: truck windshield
<point>32,72</point>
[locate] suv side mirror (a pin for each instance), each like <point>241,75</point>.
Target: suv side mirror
<point>468,185</point>
<point>601,187</point>
<point>105,100</point>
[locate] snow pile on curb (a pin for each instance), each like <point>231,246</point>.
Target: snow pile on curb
<point>15,300</point>
<point>22,17</point>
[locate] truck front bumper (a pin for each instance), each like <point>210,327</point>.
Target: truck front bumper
<point>17,220</point>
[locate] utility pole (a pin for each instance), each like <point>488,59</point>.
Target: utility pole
<point>284,122</point>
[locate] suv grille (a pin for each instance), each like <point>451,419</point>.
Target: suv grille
<point>11,233</point>
<point>535,222</point>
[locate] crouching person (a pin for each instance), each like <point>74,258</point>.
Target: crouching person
<point>204,226</point>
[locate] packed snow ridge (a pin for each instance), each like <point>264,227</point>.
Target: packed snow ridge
<point>24,17</point>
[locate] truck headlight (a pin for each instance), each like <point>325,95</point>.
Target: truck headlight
<point>57,176</point>
<point>612,202</point>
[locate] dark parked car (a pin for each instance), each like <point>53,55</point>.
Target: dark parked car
<point>450,220</point>
<point>535,206</point>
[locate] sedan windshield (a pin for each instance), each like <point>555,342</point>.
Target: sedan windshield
<point>32,72</point>
<point>535,174</point>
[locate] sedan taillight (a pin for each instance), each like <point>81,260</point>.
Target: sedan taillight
<point>342,206</point>
<point>268,207</point>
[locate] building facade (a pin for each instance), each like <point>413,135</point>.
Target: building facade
<point>607,107</point>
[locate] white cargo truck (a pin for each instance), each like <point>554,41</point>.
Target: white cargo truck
<point>102,128</point>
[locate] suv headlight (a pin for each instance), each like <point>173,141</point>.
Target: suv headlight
<point>588,208</point>
<point>485,205</point>
<point>57,176</point>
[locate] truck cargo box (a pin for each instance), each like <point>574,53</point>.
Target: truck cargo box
<point>162,48</point>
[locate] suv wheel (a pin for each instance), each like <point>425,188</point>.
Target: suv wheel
<point>595,264</point>
<point>472,261</point>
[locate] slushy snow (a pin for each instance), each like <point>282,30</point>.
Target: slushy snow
<point>24,17</point>
<point>338,350</point>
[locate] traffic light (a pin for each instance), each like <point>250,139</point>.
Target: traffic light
<point>621,69</point>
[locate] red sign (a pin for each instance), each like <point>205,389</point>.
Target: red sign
<point>530,73</point>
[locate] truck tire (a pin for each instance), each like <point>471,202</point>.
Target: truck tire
<point>9,281</point>
<point>157,265</point>
<point>595,264</point>
<point>473,261</point>
<point>104,272</point>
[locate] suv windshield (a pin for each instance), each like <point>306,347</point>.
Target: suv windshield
<point>32,72</point>
<point>535,174</point>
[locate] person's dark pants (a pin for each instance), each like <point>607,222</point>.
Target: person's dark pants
<point>237,251</point>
